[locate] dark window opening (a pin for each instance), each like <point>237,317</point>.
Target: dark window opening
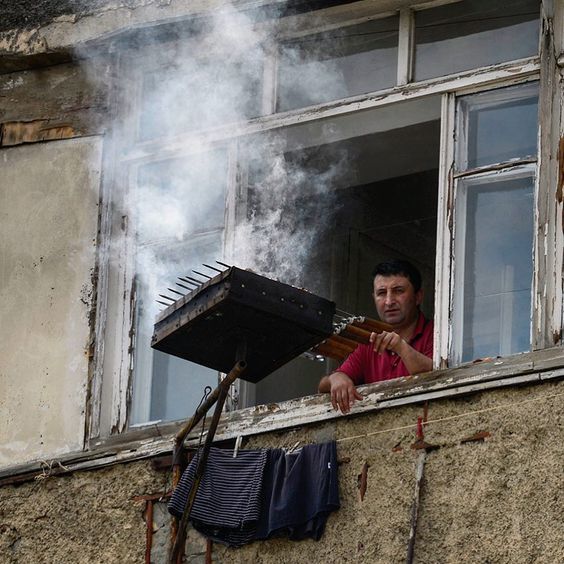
<point>380,203</point>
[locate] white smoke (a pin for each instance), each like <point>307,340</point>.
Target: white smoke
<point>213,80</point>
<point>182,92</point>
<point>290,212</point>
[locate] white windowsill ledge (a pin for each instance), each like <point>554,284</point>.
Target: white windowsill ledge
<point>153,440</point>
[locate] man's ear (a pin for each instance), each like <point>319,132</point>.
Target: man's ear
<point>419,297</point>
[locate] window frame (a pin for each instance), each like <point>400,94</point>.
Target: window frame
<point>112,365</point>
<point>462,186</point>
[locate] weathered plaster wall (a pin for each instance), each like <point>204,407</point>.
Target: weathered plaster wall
<point>48,224</point>
<point>81,518</point>
<point>494,500</point>
<point>60,96</point>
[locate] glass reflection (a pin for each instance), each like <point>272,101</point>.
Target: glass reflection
<point>473,34</point>
<point>180,206</point>
<point>498,126</point>
<point>333,65</point>
<point>498,266</point>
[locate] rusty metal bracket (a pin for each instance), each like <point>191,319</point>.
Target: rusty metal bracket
<point>222,391</point>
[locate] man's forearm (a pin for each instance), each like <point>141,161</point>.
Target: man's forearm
<point>415,361</point>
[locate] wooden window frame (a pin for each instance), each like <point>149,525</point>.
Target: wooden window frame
<point>111,378</point>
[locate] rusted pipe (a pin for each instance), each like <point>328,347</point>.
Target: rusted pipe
<point>211,399</point>
<point>209,549</point>
<point>415,506</point>
<point>149,530</point>
<point>200,468</point>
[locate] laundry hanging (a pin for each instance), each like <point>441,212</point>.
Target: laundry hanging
<point>262,493</point>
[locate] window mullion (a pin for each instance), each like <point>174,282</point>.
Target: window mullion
<point>269,76</point>
<point>406,46</point>
<point>443,273</point>
<point>231,198</point>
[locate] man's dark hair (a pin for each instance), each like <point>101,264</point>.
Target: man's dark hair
<point>399,268</point>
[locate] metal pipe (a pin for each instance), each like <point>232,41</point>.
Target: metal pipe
<point>149,530</point>
<point>415,507</point>
<point>211,399</point>
<point>223,390</point>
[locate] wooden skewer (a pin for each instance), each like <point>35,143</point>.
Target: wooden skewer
<point>325,350</point>
<point>357,334</point>
<point>340,345</point>
<point>350,343</point>
<point>343,349</point>
<point>372,325</point>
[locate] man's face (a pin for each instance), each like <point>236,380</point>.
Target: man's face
<point>396,300</point>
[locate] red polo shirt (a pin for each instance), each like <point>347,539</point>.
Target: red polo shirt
<point>364,366</point>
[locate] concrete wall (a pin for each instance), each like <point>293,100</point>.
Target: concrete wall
<point>48,225</point>
<point>494,500</point>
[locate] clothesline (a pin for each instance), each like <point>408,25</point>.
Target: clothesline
<point>451,417</point>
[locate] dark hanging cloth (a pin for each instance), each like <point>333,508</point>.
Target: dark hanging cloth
<point>262,494</point>
<point>300,489</point>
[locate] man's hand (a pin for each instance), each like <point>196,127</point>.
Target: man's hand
<point>342,389</point>
<point>414,361</point>
<point>387,340</point>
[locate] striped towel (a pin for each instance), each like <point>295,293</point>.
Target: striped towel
<point>227,505</point>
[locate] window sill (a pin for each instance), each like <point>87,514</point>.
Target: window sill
<point>494,373</point>
<point>153,440</point>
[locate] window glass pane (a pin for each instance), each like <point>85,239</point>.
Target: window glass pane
<point>166,387</point>
<point>336,64</point>
<point>178,385</point>
<point>497,126</point>
<point>498,266</point>
<point>194,94</point>
<point>474,33</point>
<point>180,215</point>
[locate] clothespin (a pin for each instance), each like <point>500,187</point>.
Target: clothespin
<point>238,442</point>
